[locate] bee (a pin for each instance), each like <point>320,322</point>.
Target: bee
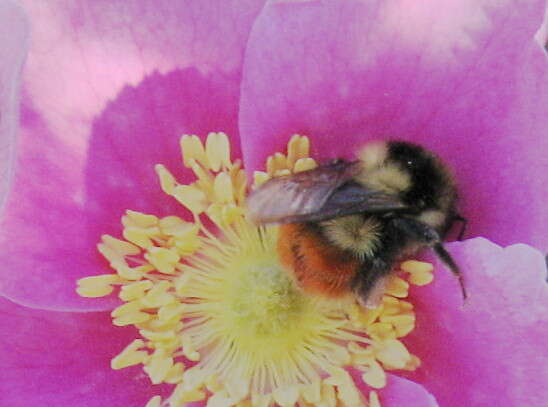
<point>346,224</point>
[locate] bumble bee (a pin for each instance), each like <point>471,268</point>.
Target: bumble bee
<point>345,224</point>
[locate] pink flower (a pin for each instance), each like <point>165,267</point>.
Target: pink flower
<point>108,87</point>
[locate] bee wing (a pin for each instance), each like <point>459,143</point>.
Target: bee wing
<point>281,199</point>
<point>354,198</point>
<point>322,193</point>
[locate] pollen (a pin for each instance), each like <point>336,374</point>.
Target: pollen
<point>420,272</point>
<point>96,286</point>
<point>217,316</point>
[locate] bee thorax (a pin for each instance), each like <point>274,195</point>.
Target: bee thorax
<point>355,233</point>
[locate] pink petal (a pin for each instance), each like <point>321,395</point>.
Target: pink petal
<point>398,392</point>
<point>63,359</point>
<point>108,92</point>
<point>542,34</point>
<point>492,350</point>
<point>464,78</point>
<point>13,47</point>
<point>401,392</point>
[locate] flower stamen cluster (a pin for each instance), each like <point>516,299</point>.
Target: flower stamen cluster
<point>219,318</point>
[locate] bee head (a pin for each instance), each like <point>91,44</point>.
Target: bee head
<point>428,178</point>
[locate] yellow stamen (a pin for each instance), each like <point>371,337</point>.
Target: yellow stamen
<point>380,331</point>
<point>127,308</point>
<point>397,287</point>
<point>374,399</point>
<point>158,366</point>
<point>138,237</point>
<point>96,286</point>
<point>305,164</point>
<point>133,291</point>
<point>375,376</point>
<point>132,318</point>
<point>347,391</point>
<point>218,315</point>
<point>139,220</point>
<point>312,392</point>
<point>392,354</point>
<point>193,150</point>
<point>192,197</point>
<point>218,151</point>
<point>413,363</point>
<point>277,162</point>
<point>154,402</point>
<point>420,272</point>
<point>297,148</point>
<point>131,273</point>
<point>286,396</point>
<point>167,181</point>
<point>115,250</point>
<point>224,193</point>
<point>328,396</point>
<point>175,374</point>
<point>260,177</point>
<point>130,356</point>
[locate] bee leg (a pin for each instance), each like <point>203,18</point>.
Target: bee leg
<point>422,233</point>
<point>546,261</point>
<point>464,223</point>
<point>374,296</point>
<point>416,231</point>
<point>446,258</point>
<point>370,282</point>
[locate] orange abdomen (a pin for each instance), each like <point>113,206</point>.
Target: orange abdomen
<point>317,265</point>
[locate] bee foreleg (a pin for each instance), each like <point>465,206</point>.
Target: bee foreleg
<point>416,231</point>
<point>370,282</point>
<point>446,258</point>
<point>374,297</point>
<point>464,223</point>
<point>422,233</point>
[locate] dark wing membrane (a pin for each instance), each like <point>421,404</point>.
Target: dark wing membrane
<point>287,198</point>
<point>353,198</point>
<point>323,193</point>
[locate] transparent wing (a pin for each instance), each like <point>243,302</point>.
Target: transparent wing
<point>322,193</point>
<point>281,199</point>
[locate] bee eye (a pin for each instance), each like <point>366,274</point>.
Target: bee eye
<point>410,163</point>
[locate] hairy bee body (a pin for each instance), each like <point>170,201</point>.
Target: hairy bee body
<point>317,264</point>
<point>345,224</point>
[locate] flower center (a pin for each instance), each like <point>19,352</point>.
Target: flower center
<point>219,317</point>
<point>261,300</point>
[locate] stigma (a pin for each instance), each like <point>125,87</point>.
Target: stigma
<point>218,316</point>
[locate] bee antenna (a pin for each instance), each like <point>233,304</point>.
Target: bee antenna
<point>446,258</point>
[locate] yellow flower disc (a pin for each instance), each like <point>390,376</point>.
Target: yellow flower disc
<point>218,317</point>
